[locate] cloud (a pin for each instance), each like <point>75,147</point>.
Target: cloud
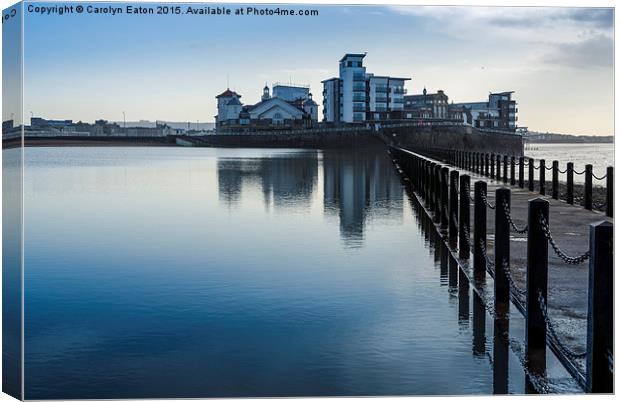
<point>591,53</point>
<point>555,24</point>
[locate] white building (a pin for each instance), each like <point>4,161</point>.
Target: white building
<point>292,108</point>
<point>499,112</point>
<point>358,96</point>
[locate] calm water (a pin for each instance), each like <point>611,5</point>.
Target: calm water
<point>598,155</point>
<point>179,272</point>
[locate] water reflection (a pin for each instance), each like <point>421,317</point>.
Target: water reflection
<point>285,179</point>
<point>357,185</point>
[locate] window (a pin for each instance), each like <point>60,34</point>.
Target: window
<point>349,64</point>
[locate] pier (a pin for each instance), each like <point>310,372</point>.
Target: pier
<point>515,244</point>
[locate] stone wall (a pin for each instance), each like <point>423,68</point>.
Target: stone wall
<point>454,137</point>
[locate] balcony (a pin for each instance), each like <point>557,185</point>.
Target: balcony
<point>399,91</point>
<point>381,88</point>
<point>359,77</point>
<point>382,99</point>
<point>358,87</point>
<point>359,108</point>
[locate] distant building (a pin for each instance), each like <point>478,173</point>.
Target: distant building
<point>290,107</point>
<point>499,112</point>
<point>433,106</point>
<point>40,122</point>
<point>356,96</point>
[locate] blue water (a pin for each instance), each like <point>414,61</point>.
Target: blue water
<point>194,272</point>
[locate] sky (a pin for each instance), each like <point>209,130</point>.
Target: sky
<point>559,61</point>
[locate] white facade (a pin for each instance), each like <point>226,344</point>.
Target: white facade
<point>357,96</point>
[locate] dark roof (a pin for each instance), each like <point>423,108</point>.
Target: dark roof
<point>309,102</point>
<point>234,101</point>
<point>330,79</point>
<point>228,93</point>
<point>362,55</point>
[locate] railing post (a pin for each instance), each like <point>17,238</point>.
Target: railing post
<point>541,176</point>
<point>537,264</point>
<point>499,167</point>
<point>502,253</point>
<point>445,185</point>
<point>600,350</point>
<point>486,164</point>
<point>587,191</point>
<point>521,172</point>
<point>512,171</point>
<point>505,178</point>
<point>530,179</point>
<point>480,227</point>
<point>610,192</point>
<point>437,195</point>
<point>554,180</point>
<point>454,208</point>
<point>464,226</point>
<point>570,169</point>
<point>492,166</point>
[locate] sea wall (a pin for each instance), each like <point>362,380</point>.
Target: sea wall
<point>362,138</point>
<point>453,137</point>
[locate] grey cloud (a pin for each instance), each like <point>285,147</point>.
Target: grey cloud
<point>591,53</point>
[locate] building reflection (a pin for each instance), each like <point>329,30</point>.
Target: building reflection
<point>285,180</point>
<point>358,184</point>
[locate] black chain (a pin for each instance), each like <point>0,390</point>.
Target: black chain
<point>562,171</point>
<point>511,282</point>
<point>484,198</point>
<point>566,258</point>
<point>579,172</point>
<point>610,360</point>
<point>553,333</point>
<point>490,264</point>
<point>509,218</point>
<point>548,168</point>
<point>599,178</point>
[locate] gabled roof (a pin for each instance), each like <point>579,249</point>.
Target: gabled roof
<point>263,106</point>
<point>228,93</point>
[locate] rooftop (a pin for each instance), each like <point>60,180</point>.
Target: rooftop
<point>362,55</point>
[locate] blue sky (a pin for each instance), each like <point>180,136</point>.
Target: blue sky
<point>170,67</point>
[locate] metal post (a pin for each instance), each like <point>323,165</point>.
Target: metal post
<point>587,196</point>
<point>569,183</point>
<point>486,164</point>
<point>498,174</point>
<point>521,172</point>
<point>610,192</point>
<point>480,227</point>
<point>445,185</point>
<point>600,350</point>
<point>530,179</point>
<point>437,195</point>
<point>464,217</point>
<point>537,264</point>
<point>554,180</point>
<point>541,177</point>
<point>492,166</point>
<point>505,178</point>
<point>502,253</point>
<point>512,171</point>
<point>454,208</point>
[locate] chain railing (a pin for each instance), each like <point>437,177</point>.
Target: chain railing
<point>551,330</point>
<point>511,282</point>
<point>511,222</point>
<point>544,330</point>
<point>484,198</point>
<point>566,258</point>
